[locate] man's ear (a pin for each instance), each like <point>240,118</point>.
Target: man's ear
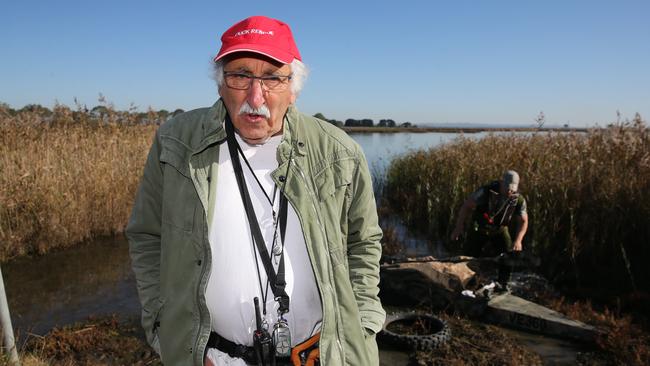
<point>293,98</point>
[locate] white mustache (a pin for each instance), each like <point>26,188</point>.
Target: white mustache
<point>262,110</point>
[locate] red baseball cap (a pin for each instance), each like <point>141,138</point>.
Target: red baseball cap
<point>263,35</point>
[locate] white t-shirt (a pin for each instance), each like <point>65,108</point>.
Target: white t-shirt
<point>234,281</point>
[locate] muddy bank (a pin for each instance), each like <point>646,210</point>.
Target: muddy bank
<point>115,341</point>
<point>568,331</point>
<point>101,341</point>
<point>68,286</point>
<point>97,280</point>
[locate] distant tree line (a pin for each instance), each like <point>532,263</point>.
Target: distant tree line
<point>99,113</point>
<point>105,111</point>
<point>366,122</point>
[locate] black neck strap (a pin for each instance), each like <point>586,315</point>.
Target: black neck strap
<point>278,282</point>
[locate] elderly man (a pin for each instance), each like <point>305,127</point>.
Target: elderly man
<point>254,235</point>
<point>494,205</point>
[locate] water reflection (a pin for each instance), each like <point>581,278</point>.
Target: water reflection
<point>70,285</point>
<point>381,148</point>
<point>553,351</point>
<point>412,245</point>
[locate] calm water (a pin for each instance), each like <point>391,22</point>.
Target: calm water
<point>70,285</point>
<point>96,279</point>
<point>381,148</point>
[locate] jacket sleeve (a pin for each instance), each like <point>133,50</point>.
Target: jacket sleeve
<point>364,248</point>
<point>143,233</point>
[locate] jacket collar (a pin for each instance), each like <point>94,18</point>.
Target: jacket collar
<point>292,134</point>
<point>212,125</point>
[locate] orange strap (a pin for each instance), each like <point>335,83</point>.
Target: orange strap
<point>313,357</point>
<point>303,349</point>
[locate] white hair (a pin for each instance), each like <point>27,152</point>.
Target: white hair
<point>299,73</point>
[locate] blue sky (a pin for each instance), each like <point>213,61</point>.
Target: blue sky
<point>419,61</point>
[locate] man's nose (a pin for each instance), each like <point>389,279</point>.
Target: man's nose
<point>255,95</point>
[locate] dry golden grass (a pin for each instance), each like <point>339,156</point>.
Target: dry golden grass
<point>26,360</point>
<point>66,177</point>
<point>94,342</point>
<point>622,340</point>
<point>473,343</point>
<point>588,197</point>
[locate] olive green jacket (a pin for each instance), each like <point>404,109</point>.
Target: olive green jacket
<point>329,187</point>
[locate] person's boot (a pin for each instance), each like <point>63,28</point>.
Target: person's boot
<point>503,276</point>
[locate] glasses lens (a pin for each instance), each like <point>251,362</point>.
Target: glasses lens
<point>243,81</point>
<point>277,82</point>
<point>272,82</point>
<point>238,81</point>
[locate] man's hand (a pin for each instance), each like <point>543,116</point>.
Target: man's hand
<point>522,222</point>
<point>465,210</point>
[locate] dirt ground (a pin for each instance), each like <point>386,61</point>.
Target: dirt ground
<point>111,341</point>
<point>474,343</point>
<point>96,342</point>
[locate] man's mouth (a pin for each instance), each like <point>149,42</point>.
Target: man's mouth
<point>253,117</point>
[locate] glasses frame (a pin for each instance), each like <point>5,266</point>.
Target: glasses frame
<point>284,80</point>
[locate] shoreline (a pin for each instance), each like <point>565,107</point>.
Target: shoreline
<point>460,129</point>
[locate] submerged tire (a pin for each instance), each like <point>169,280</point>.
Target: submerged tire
<point>415,331</point>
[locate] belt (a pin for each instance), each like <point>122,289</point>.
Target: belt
<point>235,350</point>
<point>304,353</point>
<point>232,349</point>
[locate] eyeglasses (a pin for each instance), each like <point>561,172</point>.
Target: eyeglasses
<point>242,81</point>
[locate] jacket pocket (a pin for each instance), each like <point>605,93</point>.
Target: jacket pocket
<point>179,195</point>
<point>154,314</point>
<point>157,313</point>
<point>333,177</point>
<point>337,255</point>
<point>332,184</point>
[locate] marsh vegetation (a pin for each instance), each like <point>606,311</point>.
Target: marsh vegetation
<point>71,175</point>
<point>588,198</point>
<point>588,202</point>
<point>67,176</point>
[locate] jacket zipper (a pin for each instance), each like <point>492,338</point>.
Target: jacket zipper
<point>323,234</point>
<point>203,278</point>
<point>199,349</point>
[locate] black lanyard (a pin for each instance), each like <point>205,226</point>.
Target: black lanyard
<point>278,282</point>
